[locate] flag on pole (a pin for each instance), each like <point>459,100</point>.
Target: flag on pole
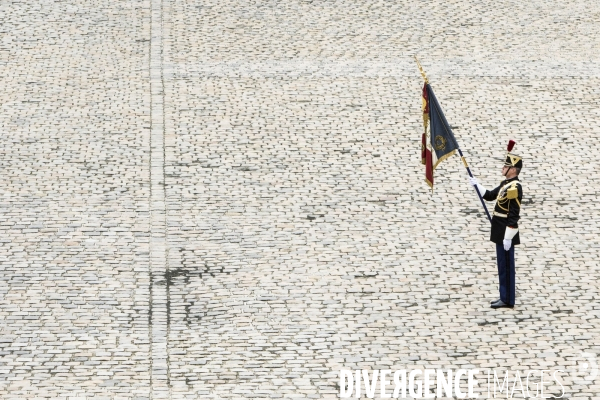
<point>437,141</point>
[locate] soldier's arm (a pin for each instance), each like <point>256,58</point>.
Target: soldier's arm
<point>490,195</point>
<point>514,207</point>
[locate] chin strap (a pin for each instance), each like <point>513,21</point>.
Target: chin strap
<point>507,171</point>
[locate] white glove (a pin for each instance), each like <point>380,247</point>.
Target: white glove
<point>475,182</point>
<point>509,234</point>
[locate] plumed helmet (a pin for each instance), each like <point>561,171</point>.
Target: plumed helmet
<point>512,160</point>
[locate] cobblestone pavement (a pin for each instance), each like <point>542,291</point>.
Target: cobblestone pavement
<point>224,200</point>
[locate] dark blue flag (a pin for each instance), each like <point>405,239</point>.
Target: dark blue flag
<point>442,141</point>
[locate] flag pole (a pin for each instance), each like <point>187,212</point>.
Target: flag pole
<point>422,71</point>
<point>462,157</point>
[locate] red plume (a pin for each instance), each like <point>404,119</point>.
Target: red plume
<point>511,144</point>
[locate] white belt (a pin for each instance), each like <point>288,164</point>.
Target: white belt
<point>497,214</point>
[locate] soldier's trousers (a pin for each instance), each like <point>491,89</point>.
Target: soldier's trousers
<point>506,273</point>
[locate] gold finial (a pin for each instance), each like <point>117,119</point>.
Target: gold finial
<point>422,72</point>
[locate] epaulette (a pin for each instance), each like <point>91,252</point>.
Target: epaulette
<point>512,192</point>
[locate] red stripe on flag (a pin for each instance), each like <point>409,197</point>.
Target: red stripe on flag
<point>428,168</point>
<point>423,148</point>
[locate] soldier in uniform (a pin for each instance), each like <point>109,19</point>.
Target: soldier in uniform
<point>505,228</point>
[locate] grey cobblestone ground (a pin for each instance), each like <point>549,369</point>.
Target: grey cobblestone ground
<point>223,200</point>
<point>74,214</point>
